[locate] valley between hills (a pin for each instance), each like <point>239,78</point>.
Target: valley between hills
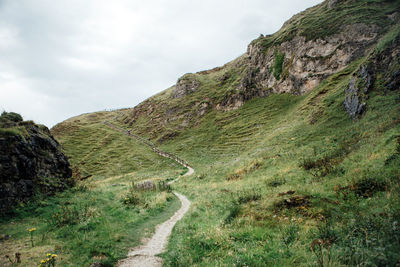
<point>295,147</point>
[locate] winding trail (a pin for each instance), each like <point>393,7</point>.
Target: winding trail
<point>146,255</point>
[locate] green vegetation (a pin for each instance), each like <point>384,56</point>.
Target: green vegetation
<point>11,124</point>
<point>6,117</point>
<point>105,152</point>
<point>321,21</point>
<point>278,64</point>
<point>94,222</point>
<point>324,183</point>
<point>283,180</point>
<point>90,223</point>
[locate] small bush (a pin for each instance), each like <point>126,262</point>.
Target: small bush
<point>132,198</point>
<point>246,196</point>
<point>318,167</point>
<point>11,116</point>
<point>321,164</point>
<point>298,202</point>
<point>72,214</point>
<point>152,197</point>
<point>234,176</point>
<point>241,172</point>
<point>201,176</point>
<point>276,182</point>
<point>367,187</point>
<point>164,186</point>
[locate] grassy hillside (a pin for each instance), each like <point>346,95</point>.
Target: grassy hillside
<point>306,175</point>
<point>95,149</point>
<point>281,179</point>
<point>104,215</point>
<point>288,180</point>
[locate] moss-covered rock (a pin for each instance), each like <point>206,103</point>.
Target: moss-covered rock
<point>30,162</point>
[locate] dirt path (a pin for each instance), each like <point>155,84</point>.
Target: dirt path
<point>190,172</point>
<point>146,255</point>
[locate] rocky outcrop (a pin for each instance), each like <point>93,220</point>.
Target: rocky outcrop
<point>297,66</point>
<point>307,63</point>
<point>30,162</point>
<point>383,66</point>
<point>187,84</point>
<point>356,92</point>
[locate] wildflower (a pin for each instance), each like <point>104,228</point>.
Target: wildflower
<point>48,255</point>
<point>31,230</point>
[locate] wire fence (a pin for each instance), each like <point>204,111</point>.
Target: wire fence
<point>150,144</point>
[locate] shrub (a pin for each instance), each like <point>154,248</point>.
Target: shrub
<point>278,64</point>
<point>11,116</point>
<point>164,186</point>
<point>276,182</point>
<point>319,167</point>
<point>71,214</point>
<point>367,187</point>
<point>241,172</point>
<point>246,196</point>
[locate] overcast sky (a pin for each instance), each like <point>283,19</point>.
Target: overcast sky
<point>61,58</point>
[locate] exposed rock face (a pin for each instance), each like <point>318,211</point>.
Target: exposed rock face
<point>356,91</point>
<point>187,84</point>
<point>237,100</point>
<point>304,63</point>
<point>30,163</point>
<point>307,63</point>
<point>385,64</point>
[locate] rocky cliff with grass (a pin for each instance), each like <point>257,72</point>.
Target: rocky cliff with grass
<point>309,48</point>
<point>30,162</point>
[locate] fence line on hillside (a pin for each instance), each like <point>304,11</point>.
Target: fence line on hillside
<point>150,144</point>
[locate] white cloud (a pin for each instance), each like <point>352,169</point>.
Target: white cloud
<point>8,37</point>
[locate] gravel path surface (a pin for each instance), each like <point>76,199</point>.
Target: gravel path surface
<point>145,255</point>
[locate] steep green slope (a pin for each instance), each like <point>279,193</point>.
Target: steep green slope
<point>96,150</point>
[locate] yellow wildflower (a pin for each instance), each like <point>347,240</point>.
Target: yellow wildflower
<point>32,229</point>
<point>54,255</point>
